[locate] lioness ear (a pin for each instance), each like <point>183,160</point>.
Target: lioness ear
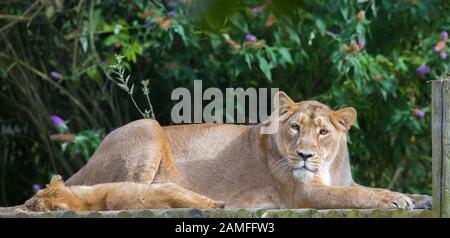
<point>284,104</point>
<point>345,117</point>
<point>56,181</point>
<point>284,107</point>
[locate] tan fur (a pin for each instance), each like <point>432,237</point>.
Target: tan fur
<point>116,196</point>
<point>239,165</point>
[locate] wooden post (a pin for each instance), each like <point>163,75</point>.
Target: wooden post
<point>441,146</point>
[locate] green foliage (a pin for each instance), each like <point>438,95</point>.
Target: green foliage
<point>83,144</point>
<point>79,145</point>
<point>345,53</point>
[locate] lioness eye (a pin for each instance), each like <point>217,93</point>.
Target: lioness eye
<point>323,132</point>
<point>295,127</point>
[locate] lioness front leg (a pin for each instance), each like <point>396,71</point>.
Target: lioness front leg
<point>341,197</point>
<point>420,201</point>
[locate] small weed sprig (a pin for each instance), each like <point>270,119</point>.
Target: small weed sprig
<point>122,80</point>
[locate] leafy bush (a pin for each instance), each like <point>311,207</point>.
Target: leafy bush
<point>374,55</point>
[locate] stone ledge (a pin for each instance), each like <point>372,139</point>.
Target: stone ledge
<point>230,213</point>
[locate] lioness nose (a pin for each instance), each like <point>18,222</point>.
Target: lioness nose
<point>305,155</point>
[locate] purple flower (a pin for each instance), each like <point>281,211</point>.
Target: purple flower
<point>361,43</point>
<point>250,37</point>
<point>444,35</point>
<point>172,4</point>
<point>330,33</point>
<point>57,120</point>
<point>56,75</point>
<point>148,24</point>
<point>436,49</point>
<point>423,69</point>
<point>443,55</point>
<point>419,113</point>
<point>257,10</point>
<point>171,14</point>
<point>36,187</point>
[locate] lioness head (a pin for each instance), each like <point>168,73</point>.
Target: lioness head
<point>309,134</point>
<point>54,197</point>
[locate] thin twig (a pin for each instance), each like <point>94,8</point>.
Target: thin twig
<point>14,17</point>
<point>150,106</point>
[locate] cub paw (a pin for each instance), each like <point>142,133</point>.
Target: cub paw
<point>396,200</point>
<point>218,204</point>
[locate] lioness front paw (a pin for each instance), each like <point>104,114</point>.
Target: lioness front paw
<point>421,201</point>
<point>395,200</point>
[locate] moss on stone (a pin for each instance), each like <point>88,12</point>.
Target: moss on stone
<point>401,213</point>
<point>234,213</point>
<point>378,213</point>
<point>293,213</point>
<point>124,214</point>
<point>146,214</point>
<point>70,214</point>
<point>94,215</point>
<point>180,213</point>
<point>334,214</point>
<point>355,214</point>
<point>427,214</point>
<point>20,215</point>
<point>47,215</point>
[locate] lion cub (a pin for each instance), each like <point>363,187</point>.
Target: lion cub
<point>116,196</point>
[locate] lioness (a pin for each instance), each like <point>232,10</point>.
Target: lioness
<point>305,164</point>
<point>116,196</point>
